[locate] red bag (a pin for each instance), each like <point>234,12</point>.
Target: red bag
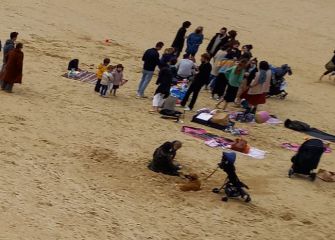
<point>240,145</point>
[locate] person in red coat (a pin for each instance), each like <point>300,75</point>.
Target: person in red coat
<point>13,69</point>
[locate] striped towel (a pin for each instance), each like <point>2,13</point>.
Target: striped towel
<point>83,76</point>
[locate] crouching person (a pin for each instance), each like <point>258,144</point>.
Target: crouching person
<point>163,159</point>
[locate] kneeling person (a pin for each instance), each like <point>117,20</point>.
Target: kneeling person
<point>163,159</point>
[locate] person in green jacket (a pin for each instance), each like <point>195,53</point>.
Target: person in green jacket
<point>235,77</point>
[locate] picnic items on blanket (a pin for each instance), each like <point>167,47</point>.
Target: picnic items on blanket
<point>307,129</point>
<point>295,147</point>
<point>214,141</point>
<point>250,118</point>
<point>240,145</point>
<point>221,119</point>
<point>262,117</point>
<point>326,176</point>
<point>205,119</point>
<point>83,76</point>
<point>178,91</point>
<point>170,114</point>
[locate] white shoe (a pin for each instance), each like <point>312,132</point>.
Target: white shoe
<point>187,109</point>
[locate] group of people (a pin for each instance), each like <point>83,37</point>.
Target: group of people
<point>231,73</point>
<point>11,70</point>
<point>109,78</point>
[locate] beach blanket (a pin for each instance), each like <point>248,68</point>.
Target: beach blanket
<point>305,128</point>
<point>215,141</point>
<point>83,76</point>
<point>295,147</point>
<point>326,176</point>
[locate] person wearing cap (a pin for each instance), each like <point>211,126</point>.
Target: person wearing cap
<point>117,78</point>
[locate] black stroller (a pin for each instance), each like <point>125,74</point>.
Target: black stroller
<point>277,81</point>
<point>232,186</point>
<point>307,159</point>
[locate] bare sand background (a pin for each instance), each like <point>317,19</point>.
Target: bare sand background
<point>73,165</point>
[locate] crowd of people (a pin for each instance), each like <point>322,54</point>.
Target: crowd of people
<point>230,73</point>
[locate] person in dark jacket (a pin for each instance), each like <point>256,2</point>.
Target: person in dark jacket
<point>199,81</point>
<point>73,65</point>
<point>151,60</point>
<point>164,82</point>
<point>178,43</point>
<point>330,67</point>
<point>233,52</point>
<point>163,159</point>
<point>246,52</point>
<point>219,40</point>
<point>9,45</point>
<point>12,72</point>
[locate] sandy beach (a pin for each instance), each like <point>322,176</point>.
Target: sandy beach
<point>74,165</point>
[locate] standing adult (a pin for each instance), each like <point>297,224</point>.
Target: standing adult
<point>249,76</point>
<point>151,60</point>
<point>194,40</point>
<point>219,40</point>
<point>199,81</point>
<point>12,72</point>
<point>216,66</point>
<point>246,52</point>
<point>9,45</point>
<point>178,42</point>
<point>235,77</point>
<point>259,87</point>
<point>330,67</point>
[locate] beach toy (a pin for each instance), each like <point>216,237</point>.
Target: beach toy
<point>262,117</point>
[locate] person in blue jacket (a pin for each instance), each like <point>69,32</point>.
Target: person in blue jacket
<point>194,40</point>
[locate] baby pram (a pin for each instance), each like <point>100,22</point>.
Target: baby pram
<point>278,83</point>
<point>233,187</point>
<point>307,159</point>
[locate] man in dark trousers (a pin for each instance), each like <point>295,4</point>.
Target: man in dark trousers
<point>151,60</point>
<point>219,40</point>
<point>199,81</point>
<point>178,43</point>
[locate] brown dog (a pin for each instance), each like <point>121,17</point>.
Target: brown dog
<point>194,183</point>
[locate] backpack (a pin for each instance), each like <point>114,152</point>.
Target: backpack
<point>297,125</point>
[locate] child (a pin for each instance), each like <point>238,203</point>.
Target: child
<point>117,78</point>
<point>107,77</point>
<point>101,69</point>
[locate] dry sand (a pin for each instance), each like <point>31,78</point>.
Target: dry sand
<point>73,165</point>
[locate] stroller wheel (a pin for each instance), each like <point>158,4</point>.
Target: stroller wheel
<point>216,190</point>
<point>283,96</point>
<point>290,172</point>
<point>224,199</point>
<point>248,199</point>
<point>313,176</point>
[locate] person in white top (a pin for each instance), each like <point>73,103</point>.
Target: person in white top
<point>186,67</point>
<point>106,80</point>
